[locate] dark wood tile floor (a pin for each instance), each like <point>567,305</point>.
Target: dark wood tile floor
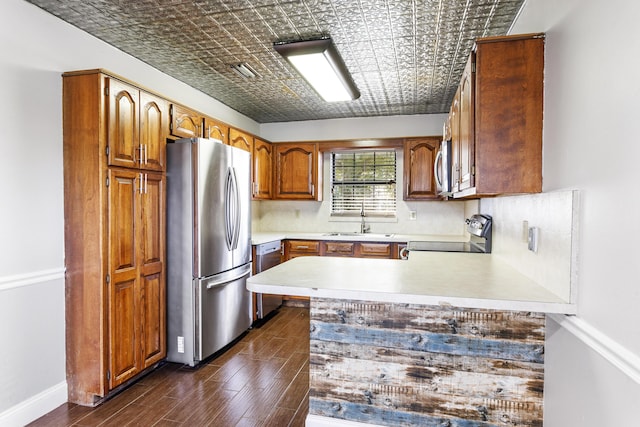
<point>261,381</point>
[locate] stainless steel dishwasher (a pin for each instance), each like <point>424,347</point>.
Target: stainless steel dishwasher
<point>267,255</point>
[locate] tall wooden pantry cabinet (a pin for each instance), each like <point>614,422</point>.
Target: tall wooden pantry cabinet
<point>114,201</point>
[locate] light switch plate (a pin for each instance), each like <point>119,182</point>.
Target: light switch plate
<point>412,215</point>
<point>532,241</point>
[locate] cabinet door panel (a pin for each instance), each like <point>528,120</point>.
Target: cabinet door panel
<point>240,140</point>
<point>339,248</point>
<point>123,136</point>
<point>375,250</point>
<point>123,211</point>
<point>123,270</point>
<point>185,123</point>
<point>454,120</point>
<point>295,171</point>
<point>419,158</point>
<point>154,121</point>
<point>152,278</point>
<point>216,130</point>
<point>123,328</point>
<point>466,123</point>
<point>153,219</point>
<point>153,319</point>
<point>262,170</point>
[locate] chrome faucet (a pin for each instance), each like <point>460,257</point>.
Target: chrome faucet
<point>364,228</point>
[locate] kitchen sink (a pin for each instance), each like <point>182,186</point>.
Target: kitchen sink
<point>359,235</point>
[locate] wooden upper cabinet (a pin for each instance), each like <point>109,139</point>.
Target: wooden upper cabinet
<point>137,123</point>
<point>185,123</point>
<point>454,130</point>
<point>465,127</point>
<point>296,171</point>
<point>123,142</point>
<point>215,129</point>
<point>154,121</point>
<point>241,140</point>
<point>501,105</point>
<point>419,159</point>
<point>262,188</point>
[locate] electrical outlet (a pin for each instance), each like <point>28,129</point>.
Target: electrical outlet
<point>532,241</point>
<point>180,344</point>
<point>413,215</point>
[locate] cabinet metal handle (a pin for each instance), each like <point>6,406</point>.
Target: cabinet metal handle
<point>140,184</point>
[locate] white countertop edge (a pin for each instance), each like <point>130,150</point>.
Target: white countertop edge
<point>495,304</point>
<point>258,238</point>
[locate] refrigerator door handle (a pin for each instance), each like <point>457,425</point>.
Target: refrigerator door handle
<point>228,213</point>
<point>232,210</point>
<point>244,271</point>
<point>236,210</point>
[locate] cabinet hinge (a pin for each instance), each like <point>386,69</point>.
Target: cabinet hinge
<point>107,150</point>
<point>106,91</point>
<point>473,170</point>
<point>107,181</point>
<point>473,67</point>
<point>108,279</point>
<point>108,375</point>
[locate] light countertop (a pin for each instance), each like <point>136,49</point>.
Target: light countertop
<point>264,237</point>
<point>431,278</point>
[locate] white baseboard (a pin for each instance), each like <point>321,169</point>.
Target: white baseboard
<point>620,357</point>
<point>34,407</point>
<point>318,421</point>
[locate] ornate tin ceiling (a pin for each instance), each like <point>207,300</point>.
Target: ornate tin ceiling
<point>405,56</point>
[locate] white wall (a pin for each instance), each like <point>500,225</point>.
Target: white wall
<point>355,128</point>
<point>36,49</point>
<point>590,131</point>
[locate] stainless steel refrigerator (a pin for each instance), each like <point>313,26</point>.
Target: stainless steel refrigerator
<point>208,247</point>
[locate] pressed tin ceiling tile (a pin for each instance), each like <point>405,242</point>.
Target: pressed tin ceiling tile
<point>405,56</point>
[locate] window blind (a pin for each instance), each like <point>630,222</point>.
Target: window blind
<point>363,178</point>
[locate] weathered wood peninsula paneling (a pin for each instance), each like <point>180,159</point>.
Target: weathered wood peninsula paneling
<point>405,364</point>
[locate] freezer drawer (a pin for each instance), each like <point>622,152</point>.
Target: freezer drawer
<point>223,306</point>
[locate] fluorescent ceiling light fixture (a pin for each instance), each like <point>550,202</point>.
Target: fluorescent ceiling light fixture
<point>244,70</point>
<point>319,62</point>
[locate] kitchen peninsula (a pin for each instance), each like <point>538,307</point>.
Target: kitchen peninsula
<point>438,339</point>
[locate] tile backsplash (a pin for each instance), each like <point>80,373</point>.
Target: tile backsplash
<point>555,215</point>
<point>441,218</point>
